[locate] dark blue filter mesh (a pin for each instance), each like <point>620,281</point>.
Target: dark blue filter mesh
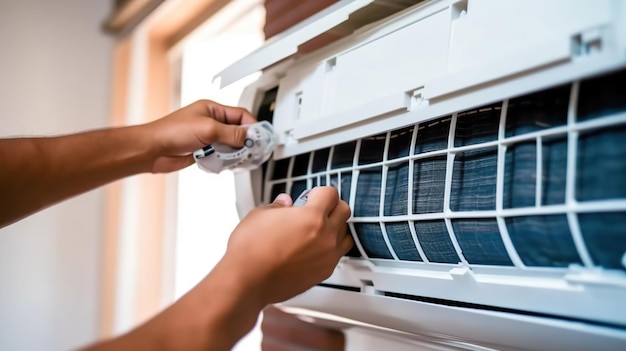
<point>435,241</point>
<point>367,202</point>
<point>320,160</point>
<point>474,181</point>
<point>478,125</point>
<point>372,240</point>
<point>281,167</point>
<point>346,186</point>
<point>429,176</point>
<point>297,188</point>
<point>396,190</point>
<point>480,242</point>
<point>300,165</point>
<point>602,96</point>
<point>543,240</point>
<point>520,176</point>
<point>400,143</point>
<point>601,164</point>
<point>343,155</point>
<point>554,170</point>
<point>399,235</point>
<point>432,135</point>
<point>372,149</point>
<point>537,111</point>
<point>605,237</point>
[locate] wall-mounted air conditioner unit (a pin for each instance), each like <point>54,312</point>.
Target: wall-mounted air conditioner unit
<point>481,145</point>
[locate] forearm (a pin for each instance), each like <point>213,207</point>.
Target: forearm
<point>275,253</point>
<point>39,172</point>
<point>213,316</point>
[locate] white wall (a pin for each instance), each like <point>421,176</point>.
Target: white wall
<point>55,68</point>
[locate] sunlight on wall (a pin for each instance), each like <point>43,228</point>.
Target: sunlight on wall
<point>206,202</point>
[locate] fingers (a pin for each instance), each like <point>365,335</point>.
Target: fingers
<point>346,242</point>
<point>340,214</point>
<point>228,134</point>
<point>227,120</point>
<point>227,114</point>
<point>324,198</point>
<point>283,200</point>
<point>327,199</point>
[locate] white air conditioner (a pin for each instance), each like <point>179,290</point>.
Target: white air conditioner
<point>481,145</point>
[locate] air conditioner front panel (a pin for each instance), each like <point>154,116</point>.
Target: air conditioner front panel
<point>363,74</point>
<point>344,15</point>
<point>487,216</point>
<point>499,198</point>
<point>467,328</point>
<point>424,57</point>
<point>493,30</point>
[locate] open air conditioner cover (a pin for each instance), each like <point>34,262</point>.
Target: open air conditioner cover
<point>480,146</point>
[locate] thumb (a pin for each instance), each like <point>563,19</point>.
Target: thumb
<point>282,200</point>
<point>230,134</point>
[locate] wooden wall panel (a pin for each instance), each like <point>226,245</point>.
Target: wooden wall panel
<point>282,14</point>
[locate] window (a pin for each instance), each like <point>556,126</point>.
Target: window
<point>206,202</point>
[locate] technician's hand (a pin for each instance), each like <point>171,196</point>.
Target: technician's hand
<point>275,253</point>
<point>281,251</point>
<point>177,135</point>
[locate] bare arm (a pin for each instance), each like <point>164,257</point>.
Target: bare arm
<point>213,316</point>
<point>275,253</point>
<point>38,172</point>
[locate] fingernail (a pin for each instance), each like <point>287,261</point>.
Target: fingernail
<point>283,199</point>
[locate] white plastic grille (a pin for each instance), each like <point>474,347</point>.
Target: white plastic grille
<point>531,182</point>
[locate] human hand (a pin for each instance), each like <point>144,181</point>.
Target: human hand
<point>177,135</point>
<point>280,251</point>
<point>275,253</point>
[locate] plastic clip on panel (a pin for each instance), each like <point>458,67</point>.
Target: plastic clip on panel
<point>257,149</point>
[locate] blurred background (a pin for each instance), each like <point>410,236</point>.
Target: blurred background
<point>57,69</point>
<point>55,78</point>
<point>95,266</point>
